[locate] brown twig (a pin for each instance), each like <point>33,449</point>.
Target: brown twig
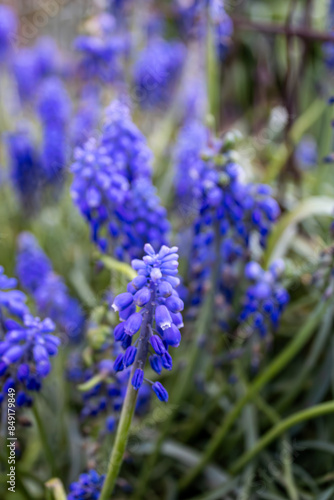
<point>279,29</point>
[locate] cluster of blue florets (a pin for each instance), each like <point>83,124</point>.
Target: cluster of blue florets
<point>232,219</point>
<point>156,73</point>
<point>25,354</point>
<point>25,168</point>
<point>192,17</point>
<point>51,295</point>
<point>30,66</point>
<point>265,299</point>
<point>88,487</point>
<point>158,321</point>
<point>113,189</point>
<point>102,54</point>
<point>54,110</point>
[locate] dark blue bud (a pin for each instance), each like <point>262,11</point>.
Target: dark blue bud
<point>130,355</point>
<point>167,361</point>
<point>137,378</point>
<point>119,332</point>
<point>156,364</point>
<point>172,336</point>
<point>118,363</point>
<point>160,391</point>
<point>157,344</point>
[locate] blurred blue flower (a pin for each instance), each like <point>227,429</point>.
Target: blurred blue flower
<point>113,189</point>
<point>36,275</point>
<point>157,72</point>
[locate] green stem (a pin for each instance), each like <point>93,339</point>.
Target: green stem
<point>269,373</point>
<point>280,428</point>
<point>118,450</point>
<point>44,439</point>
<point>55,489</point>
<point>123,429</point>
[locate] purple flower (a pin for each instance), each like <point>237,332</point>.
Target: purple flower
<point>89,485</point>
<point>157,71</point>
<point>36,275</point>
<point>113,188</point>
<point>157,274</point>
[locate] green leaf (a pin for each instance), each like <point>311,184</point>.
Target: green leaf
<point>116,265</point>
<point>285,230</point>
<point>92,382</point>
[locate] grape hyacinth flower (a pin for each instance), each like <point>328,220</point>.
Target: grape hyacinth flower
<point>25,167</point>
<point>86,117</point>
<point>25,356</point>
<point>232,220</point>
<point>157,72</point>
<point>113,188</point>
<point>150,314</point>
<point>102,52</point>
<point>265,299</point>
<point>189,165</point>
<point>54,110</point>
<point>50,293</point>
<point>190,17</point>
<point>87,487</point>
<point>158,322</point>
<point>306,153</point>
<point>13,301</point>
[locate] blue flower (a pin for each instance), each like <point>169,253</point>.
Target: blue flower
<point>25,355</point>
<point>25,167</point>
<point>265,299</point>
<point>54,109</point>
<point>306,153</point>
<point>36,275</point>
<point>102,54</point>
<point>158,318</point>
<point>157,72</point>
<point>113,188</point>
<point>88,486</point>
<point>12,300</point>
